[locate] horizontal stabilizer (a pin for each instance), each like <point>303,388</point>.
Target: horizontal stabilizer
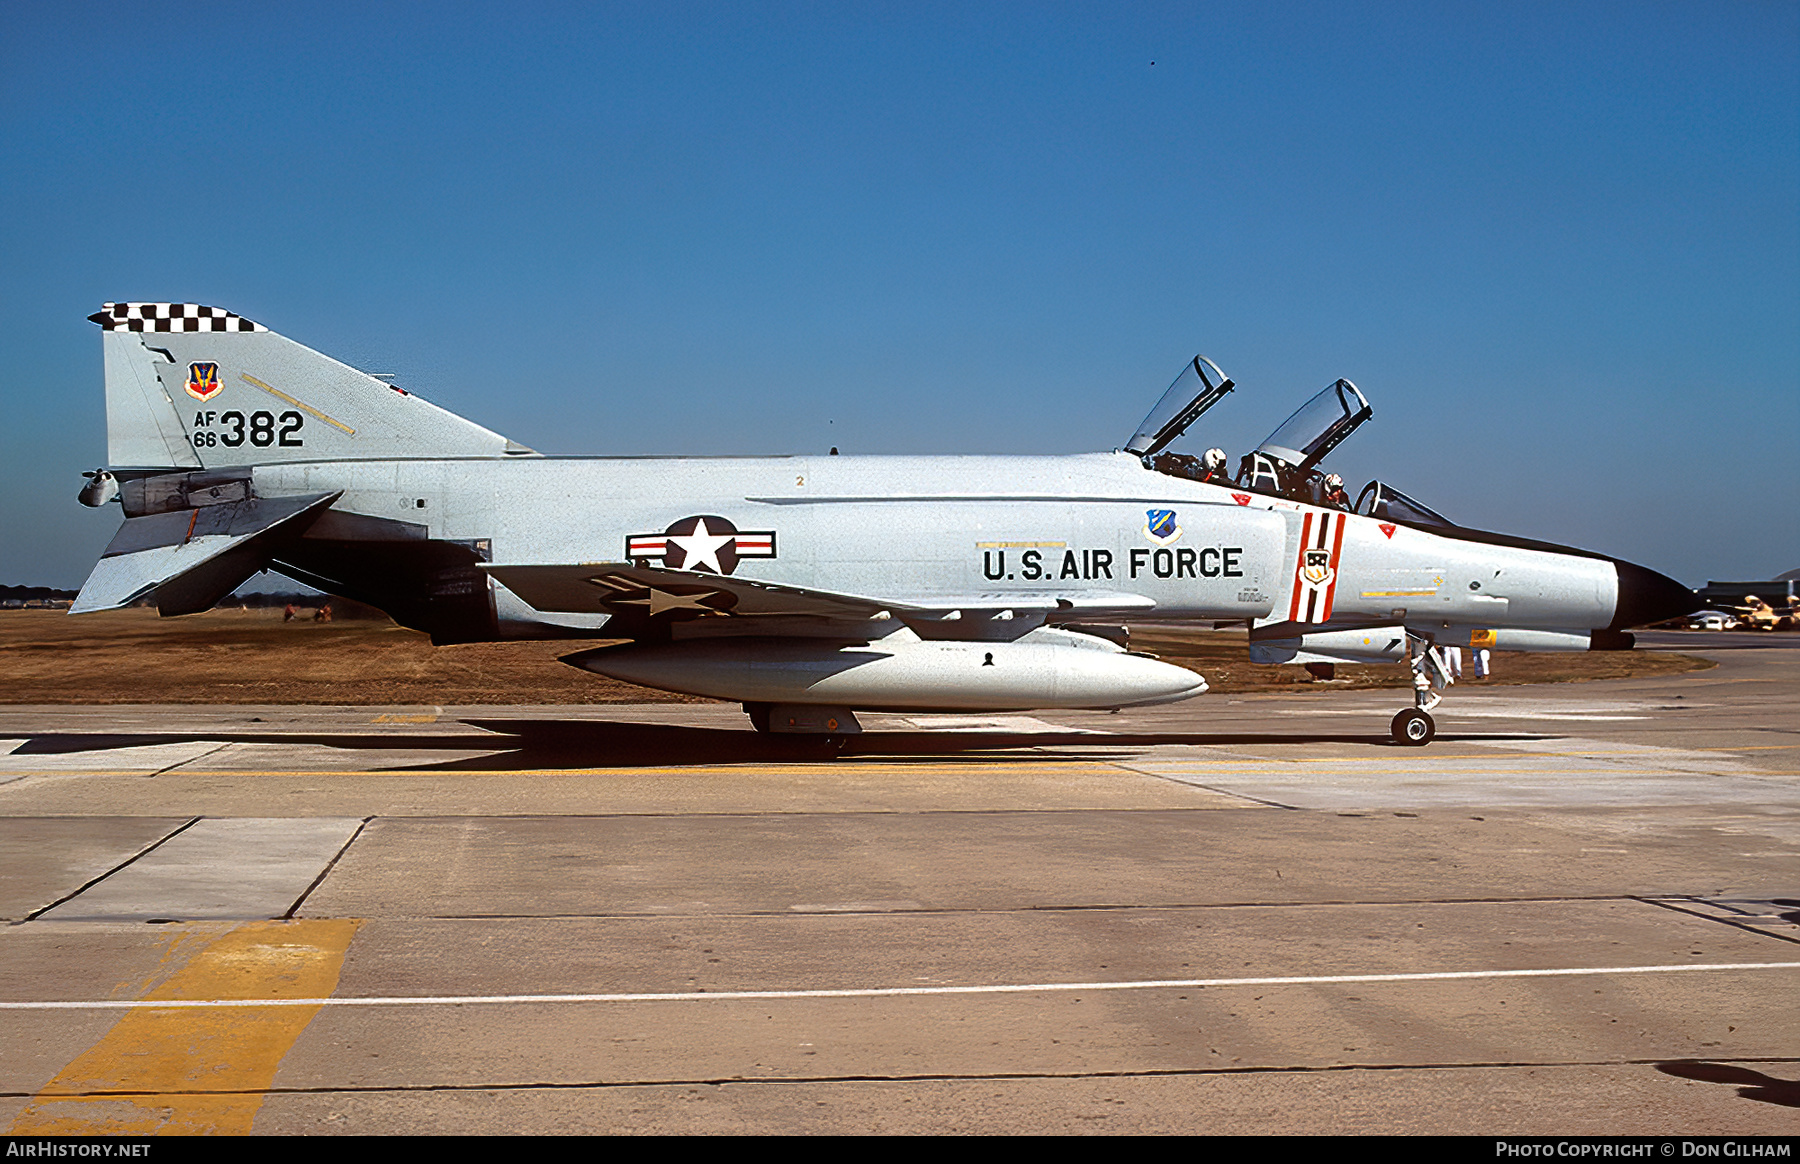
<point>190,558</point>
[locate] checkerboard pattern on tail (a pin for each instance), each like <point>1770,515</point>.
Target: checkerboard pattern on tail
<point>170,317</point>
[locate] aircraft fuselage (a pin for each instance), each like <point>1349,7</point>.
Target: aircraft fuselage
<point>925,526</point>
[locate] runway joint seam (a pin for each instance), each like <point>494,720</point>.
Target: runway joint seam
<point>326,871</point>
<point>1668,904</point>
<point>929,1077</point>
<point>141,853</point>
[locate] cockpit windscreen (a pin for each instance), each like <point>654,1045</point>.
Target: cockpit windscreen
<point>1386,503</point>
<point>1318,426</point>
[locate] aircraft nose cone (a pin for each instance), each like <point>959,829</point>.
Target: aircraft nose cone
<point>1646,597</point>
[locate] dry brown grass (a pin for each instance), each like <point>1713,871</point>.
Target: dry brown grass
<point>229,656</point>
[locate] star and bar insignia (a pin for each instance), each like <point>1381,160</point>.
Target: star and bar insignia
<point>679,603</point>
<point>705,544</point>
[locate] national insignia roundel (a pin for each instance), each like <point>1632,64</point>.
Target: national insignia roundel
<point>706,544</point>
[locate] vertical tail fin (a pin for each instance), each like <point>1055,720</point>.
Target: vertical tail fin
<point>199,387</point>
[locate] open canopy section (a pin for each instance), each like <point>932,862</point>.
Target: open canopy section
<point>1200,386</point>
<point>1320,425</point>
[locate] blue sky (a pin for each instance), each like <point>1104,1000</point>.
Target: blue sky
<point>1558,245</point>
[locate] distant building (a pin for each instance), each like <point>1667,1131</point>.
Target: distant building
<point>36,597</point>
<point>1778,591</point>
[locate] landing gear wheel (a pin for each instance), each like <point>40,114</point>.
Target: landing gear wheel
<point>1413,728</point>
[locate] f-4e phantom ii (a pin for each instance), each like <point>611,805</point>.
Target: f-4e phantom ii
<point>808,588</point>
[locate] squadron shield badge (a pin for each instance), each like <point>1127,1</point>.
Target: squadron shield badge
<point>203,381</point>
<point>1160,527</point>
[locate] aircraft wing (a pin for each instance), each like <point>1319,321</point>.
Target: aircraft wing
<point>623,588</point>
<point>629,590</point>
<point>1006,616</point>
<point>189,558</point>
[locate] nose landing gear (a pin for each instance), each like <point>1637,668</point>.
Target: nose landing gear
<point>1413,727</point>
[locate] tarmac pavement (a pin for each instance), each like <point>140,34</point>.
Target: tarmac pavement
<point>1577,911</point>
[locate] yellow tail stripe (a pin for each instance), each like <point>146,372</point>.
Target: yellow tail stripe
<point>280,395</point>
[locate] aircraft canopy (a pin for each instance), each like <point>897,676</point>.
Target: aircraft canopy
<point>1200,386</point>
<point>1318,426</point>
<point>1387,503</point>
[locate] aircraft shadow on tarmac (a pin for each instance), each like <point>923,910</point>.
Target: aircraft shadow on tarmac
<point>524,744</point>
<point>1751,1084</point>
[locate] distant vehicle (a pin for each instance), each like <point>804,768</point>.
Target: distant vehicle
<point>807,588</point>
<point>1711,620</point>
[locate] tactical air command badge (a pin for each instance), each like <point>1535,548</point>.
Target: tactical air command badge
<point>1160,527</point>
<point>203,381</point>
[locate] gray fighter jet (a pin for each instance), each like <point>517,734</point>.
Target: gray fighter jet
<point>807,588</point>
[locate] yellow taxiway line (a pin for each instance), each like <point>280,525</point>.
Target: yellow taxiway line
<point>204,1072</point>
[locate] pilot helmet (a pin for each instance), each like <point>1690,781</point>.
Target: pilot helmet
<point>1214,459</point>
<point>1333,481</point>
